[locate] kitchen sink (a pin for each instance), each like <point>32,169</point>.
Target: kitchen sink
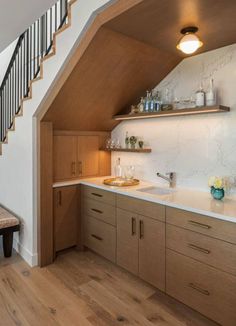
<point>157,191</point>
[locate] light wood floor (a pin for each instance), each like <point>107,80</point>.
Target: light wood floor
<point>83,289</point>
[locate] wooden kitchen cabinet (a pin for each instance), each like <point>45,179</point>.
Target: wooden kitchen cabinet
<point>141,247</point>
<point>88,156</point>
<point>100,237</point>
<point>66,217</point>
<point>64,157</point>
<point>99,221</point>
<point>152,251</point>
<point>78,156</point>
<point>202,287</point>
<point>127,240</point>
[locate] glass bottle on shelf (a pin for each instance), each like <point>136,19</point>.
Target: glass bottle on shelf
<point>151,106</point>
<point>200,97</point>
<point>127,140</point>
<point>157,102</point>
<point>141,105</point>
<point>211,94</point>
<point>147,101</point>
<point>118,169</point>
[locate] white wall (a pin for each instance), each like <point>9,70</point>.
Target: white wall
<point>195,147</point>
<point>17,164</point>
<point>5,57</point>
<point>17,16</point>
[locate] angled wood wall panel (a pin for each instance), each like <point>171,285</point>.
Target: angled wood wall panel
<point>112,74</point>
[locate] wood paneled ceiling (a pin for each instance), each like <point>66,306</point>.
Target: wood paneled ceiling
<point>134,52</point>
<point>113,72</point>
<point>158,22</point>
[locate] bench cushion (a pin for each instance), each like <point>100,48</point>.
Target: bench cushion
<point>7,219</point>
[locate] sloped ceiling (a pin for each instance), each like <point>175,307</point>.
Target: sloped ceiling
<point>159,22</point>
<point>132,53</point>
<point>111,75</point>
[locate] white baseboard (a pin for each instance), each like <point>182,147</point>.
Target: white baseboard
<point>31,259</point>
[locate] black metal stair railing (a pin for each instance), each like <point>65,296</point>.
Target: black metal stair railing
<point>35,43</point>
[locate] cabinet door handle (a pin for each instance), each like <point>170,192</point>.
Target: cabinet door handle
<point>200,225</point>
<point>96,210</point>
<point>96,237</point>
<point>198,288</point>
<point>141,229</point>
<point>73,168</point>
<point>194,247</point>
<point>133,226</point>
<point>96,195</point>
<point>80,168</point>
<point>59,196</point>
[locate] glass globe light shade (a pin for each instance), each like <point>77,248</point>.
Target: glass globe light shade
<point>189,43</point>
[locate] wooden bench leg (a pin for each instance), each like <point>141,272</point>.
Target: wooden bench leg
<point>7,243</point>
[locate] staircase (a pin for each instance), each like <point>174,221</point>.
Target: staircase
<point>34,46</point>
<point>29,85</point>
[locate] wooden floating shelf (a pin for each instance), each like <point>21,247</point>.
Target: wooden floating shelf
<point>171,113</point>
<point>128,150</point>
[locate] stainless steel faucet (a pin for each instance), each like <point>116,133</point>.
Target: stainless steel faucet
<point>171,179</point>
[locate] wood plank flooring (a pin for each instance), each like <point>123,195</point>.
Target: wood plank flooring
<point>82,289</point>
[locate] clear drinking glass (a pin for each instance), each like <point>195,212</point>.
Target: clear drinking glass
<point>118,144</point>
<point>108,143</point>
<point>129,171</point>
<point>113,143</point>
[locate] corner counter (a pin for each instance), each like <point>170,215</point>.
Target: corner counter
<point>187,199</point>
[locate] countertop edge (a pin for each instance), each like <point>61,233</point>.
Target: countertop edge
<point>135,194</point>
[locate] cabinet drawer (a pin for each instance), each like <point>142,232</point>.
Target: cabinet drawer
<point>100,237</point>
<point>217,253</point>
<point>141,207</point>
<point>99,195</point>
<point>99,210</point>
<point>203,224</point>
<point>209,291</point>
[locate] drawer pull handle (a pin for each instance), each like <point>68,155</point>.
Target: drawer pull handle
<point>59,198</point>
<point>73,168</point>
<point>203,226</point>
<point>197,288</point>
<point>96,237</point>
<point>97,195</point>
<point>141,229</point>
<point>96,210</point>
<point>133,231</point>
<point>205,251</point>
<point>80,168</point>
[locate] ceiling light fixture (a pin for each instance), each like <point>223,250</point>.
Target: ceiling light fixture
<point>190,42</point>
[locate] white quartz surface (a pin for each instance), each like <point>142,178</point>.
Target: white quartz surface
<point>188,199</point>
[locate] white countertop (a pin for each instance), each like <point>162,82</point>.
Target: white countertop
<point>187,199</point>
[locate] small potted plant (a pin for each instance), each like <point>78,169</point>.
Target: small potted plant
<point>217,186</point>
<point>133,141</point>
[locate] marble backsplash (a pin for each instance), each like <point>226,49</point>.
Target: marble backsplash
<point>195,147</point>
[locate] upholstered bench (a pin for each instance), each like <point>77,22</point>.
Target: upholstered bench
<point>8,225</point>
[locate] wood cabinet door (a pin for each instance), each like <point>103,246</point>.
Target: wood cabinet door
<point>152,251</point>
<point>127,240</point>
<point>65,156</point>
<point>66,217</point>
<point>88,156</point>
